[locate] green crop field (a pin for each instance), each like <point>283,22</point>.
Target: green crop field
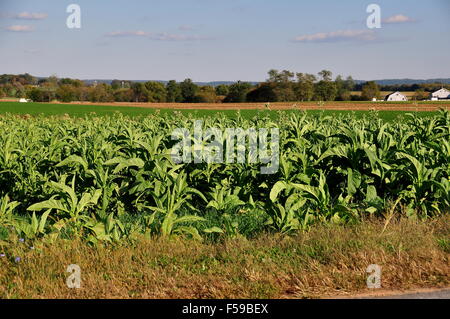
<point>107,178</point>
<point>47,109</point>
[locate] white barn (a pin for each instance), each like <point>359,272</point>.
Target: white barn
<point>396,96</point>
<point>442,94</point>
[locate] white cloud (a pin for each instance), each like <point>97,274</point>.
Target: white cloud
<point>399,18</point>
<point>31,16</point>
<point>338,36</point>
<point>156,36</point>
<point>20,28</point>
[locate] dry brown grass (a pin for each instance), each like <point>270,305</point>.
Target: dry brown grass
<point>328,260</point>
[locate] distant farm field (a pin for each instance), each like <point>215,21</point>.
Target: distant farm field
<point>408,94</point>
<point>386,111</point>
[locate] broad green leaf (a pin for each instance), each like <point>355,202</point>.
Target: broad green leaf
<point>276,190</point>
<point>48,204</point>
<point>213,230</point>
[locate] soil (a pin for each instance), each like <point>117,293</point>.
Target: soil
<point>339,106</point>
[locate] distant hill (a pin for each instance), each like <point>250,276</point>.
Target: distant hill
<point>408,81</point>
<point>380,82</point>
<point>213,83</point>
<point>216,83</point>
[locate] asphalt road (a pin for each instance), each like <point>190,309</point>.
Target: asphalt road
<point>438,294</point>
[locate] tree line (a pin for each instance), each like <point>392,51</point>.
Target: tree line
<point>281,86</point>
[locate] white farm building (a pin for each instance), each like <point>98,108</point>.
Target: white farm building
<point>396,97</point>
<point>442,94</point>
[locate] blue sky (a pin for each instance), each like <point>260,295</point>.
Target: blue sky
<point>209,40</point>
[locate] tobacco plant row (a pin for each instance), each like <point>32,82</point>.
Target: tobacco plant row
<point>112,178</point>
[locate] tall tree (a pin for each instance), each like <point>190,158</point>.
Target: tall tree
<point>282,85</point>
<point>238,92</point>
<point>349,83</point>
<point>326,75</point>
<point>123,95</point>
<point>343,89</point>
<point>206,94</point>
<point>264,92</point>
<point>421,94</point>
<point>140,93</point>
<point>174,92</point>
<point>66,93</point>
<point>101,93</point>
<point>370,90</point>
<point>326,90</point>
<point>156,92</point>
<point>188,90</point>
<point>116,84</point>
<point>35,95</point>
<point>222,89</point>
<point>304,89</point>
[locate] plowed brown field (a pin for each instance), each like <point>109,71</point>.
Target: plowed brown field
<point>339,106</point>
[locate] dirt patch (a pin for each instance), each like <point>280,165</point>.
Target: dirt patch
<point>338,106</point>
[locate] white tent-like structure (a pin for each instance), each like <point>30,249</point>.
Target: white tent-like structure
<point>442,94</point>
<point>396,97</point>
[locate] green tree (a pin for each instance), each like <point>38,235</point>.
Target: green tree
<point>27,79</point>
<point>264,92</point>
<point>280,77</point>
<point>52,81</point>
<point>304,89</point>
<point>282,85</point>
<point>9,89</point>
<point>35,95</point>
<point>174,92</point>
<point>206,94</point>
<point>222,90</point>
<point>326,75</point>
<point>326,89</point>
<point>156,92</point>
<point>188,90</point>
<point>238,92</point>
<point>349,83</point>
<point>116,84</point>
<point>421,95</point>
<point>101,93</point>
<point>20,90</point>
<point>370,90</point>
<point>344,88</point>
<point>140,93</point>
<point>66,93</point>
<point>83,93</point>
<point>48,91</point>
<point>71,82</point>
<point>123,95</point>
